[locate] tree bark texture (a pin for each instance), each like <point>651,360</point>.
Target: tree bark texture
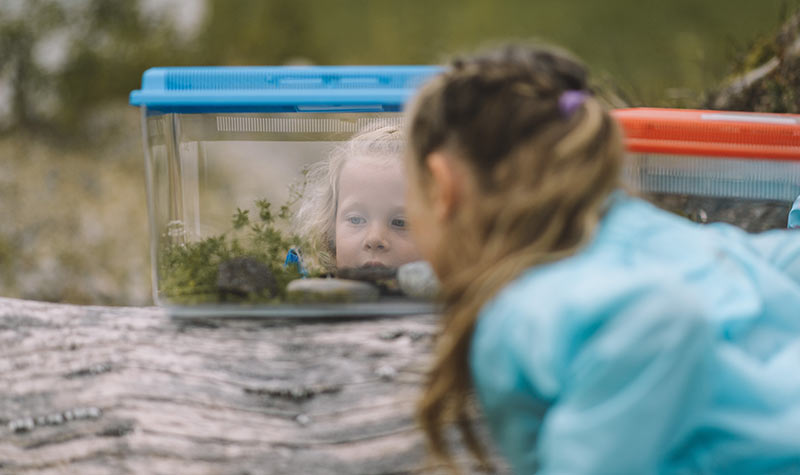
<point>96,390</point>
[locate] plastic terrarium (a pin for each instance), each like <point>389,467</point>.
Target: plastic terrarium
<point>240,211</point>
<point>235,159</point>
<point>710,166</point>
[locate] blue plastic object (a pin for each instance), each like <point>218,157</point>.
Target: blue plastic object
<point>794,215</point>
<point>295,259</point>
<point>280,88</point>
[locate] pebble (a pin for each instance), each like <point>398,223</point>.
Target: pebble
<point>385,278</point>
<point>303,419</point>
<point>418,280</point>
<point>244,276</point>
<point>331,290</point>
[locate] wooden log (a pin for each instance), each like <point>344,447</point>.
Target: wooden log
<point>129,390</point>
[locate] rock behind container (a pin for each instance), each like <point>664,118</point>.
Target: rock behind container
<point>750,215</point>
<point>243,276</point>
<point>418,280</point>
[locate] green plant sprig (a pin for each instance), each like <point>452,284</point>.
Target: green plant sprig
<point>188,271</point>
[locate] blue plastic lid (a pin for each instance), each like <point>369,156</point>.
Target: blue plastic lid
<point>279,88</point>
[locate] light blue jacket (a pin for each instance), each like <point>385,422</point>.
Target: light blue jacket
<point>662,347</point>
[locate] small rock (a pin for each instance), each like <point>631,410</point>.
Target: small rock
<point>303,419</point>
<point>418,280</point>
<point>243,276</point>
<point>331,290</point>
<point>383,277</point>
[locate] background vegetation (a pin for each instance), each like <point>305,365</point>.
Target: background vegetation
<point>71,179</point>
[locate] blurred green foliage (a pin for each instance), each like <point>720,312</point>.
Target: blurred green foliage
<point>657,52</point>
<point>75,227</point>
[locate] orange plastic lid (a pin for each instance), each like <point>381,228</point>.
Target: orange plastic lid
<point>711,133</point>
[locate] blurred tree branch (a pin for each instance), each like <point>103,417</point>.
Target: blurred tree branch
<point>106,44</point>
<point>18,38</point>
<point>768,76</point>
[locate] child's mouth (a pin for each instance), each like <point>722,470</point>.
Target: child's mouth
<point>373,264</point>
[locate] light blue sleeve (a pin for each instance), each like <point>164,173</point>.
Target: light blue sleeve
<point>781,249</point>
<point>632,387</point>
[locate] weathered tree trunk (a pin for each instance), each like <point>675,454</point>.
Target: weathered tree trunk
<point>770,77</point>
<point>129,390</point>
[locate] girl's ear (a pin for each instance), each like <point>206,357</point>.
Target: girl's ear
<point>447,184</point>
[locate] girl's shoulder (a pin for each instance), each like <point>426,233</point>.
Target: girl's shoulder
<point>541,321</point>
<point>625,260</point>
<point>581,289</point>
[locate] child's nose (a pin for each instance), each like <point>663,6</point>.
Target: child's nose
<point>376,239</point>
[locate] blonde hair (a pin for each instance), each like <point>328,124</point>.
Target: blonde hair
<point>543,172</point>
<point>315,220</point>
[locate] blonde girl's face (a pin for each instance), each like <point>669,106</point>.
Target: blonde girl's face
<point>371,223</point>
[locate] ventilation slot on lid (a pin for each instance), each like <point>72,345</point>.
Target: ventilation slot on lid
<point>239,123</point>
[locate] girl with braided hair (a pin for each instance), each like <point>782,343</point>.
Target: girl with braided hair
<point>599,333</point>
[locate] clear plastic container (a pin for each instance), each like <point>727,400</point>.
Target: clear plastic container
<point>710,166</point>
<point>227,152</point>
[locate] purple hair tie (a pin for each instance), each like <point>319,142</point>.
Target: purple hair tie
<point>570,100</point>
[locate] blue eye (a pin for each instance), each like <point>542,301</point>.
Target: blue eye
<point>356,220</point>
<point>399,222</point>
